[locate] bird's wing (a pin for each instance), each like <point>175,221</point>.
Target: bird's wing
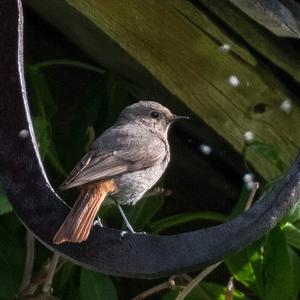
<point>117,153</point>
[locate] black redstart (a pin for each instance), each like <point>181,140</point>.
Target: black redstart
<point>123,163</point>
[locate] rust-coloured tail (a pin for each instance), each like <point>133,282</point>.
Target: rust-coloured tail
<point>78,224</point>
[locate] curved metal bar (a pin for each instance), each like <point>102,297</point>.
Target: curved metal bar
<point>42,211</point>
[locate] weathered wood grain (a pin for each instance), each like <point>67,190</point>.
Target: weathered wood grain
<point>180,46</point>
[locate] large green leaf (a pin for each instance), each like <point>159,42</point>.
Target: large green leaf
<point>292,234</point>
<point>246,267</point>
<point>12,253</point>
<point>295,260</point>
<point>277,265</point>
<point>96,286</point>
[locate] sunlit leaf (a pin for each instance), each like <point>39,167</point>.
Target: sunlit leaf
<point>292,234</point>
<point>293,215</point>
<point>246,267</point>
<point>277,265</point>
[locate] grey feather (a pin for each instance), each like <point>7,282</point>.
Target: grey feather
<point>120,149</point>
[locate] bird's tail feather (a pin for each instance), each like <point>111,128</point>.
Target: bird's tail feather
<point>78,224</point>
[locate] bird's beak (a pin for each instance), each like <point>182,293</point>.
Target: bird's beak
<point>177,118</point>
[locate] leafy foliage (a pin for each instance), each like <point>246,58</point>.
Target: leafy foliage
<point>268,269</point>
<point>43,109</point>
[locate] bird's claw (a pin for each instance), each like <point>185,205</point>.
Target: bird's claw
<point>98,222</point>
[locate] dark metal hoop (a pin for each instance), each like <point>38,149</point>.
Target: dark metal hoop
<point>42,211</point>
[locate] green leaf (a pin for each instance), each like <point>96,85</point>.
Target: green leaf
<point>293,215</point>
<point>43,109</point>
<point>292,234</point>
<point>5,206</point>
<point>66,282</point>
<point>246,267</point>
<point>295,262</point>
<point>175,220</point>
<point>12,256</point>
<point>277,265</point>
<point>96,286</point>
<point>241,204</point>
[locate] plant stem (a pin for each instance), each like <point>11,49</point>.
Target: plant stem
<point>162,286</point>
<point>29,261</point>
<point>196,280</point>
<point>52,267</point>
<point>230,289</point>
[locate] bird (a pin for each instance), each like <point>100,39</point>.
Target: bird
<point>122,164</point>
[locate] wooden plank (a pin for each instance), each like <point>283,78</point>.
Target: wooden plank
<point>275,49</point>
<point>180,46</point>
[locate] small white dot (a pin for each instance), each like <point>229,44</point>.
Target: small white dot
<point>172,283</point>
<point>24,133</point>
<point>225,48</point>
<point>123,233</point>
<point>248,177</point>
<point>286,106</point>
<point>249,136</point>
<point>233,81</point>
<point>205,149</point>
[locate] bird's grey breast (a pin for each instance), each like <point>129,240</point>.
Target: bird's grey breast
<point>133,185</point>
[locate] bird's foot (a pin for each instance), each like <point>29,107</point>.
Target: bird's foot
<point>98,222</point>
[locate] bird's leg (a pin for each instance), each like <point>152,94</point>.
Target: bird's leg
<point>98,222</point>
<point>125,218</point>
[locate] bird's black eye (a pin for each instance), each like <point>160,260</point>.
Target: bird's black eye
<point>154,114</point>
